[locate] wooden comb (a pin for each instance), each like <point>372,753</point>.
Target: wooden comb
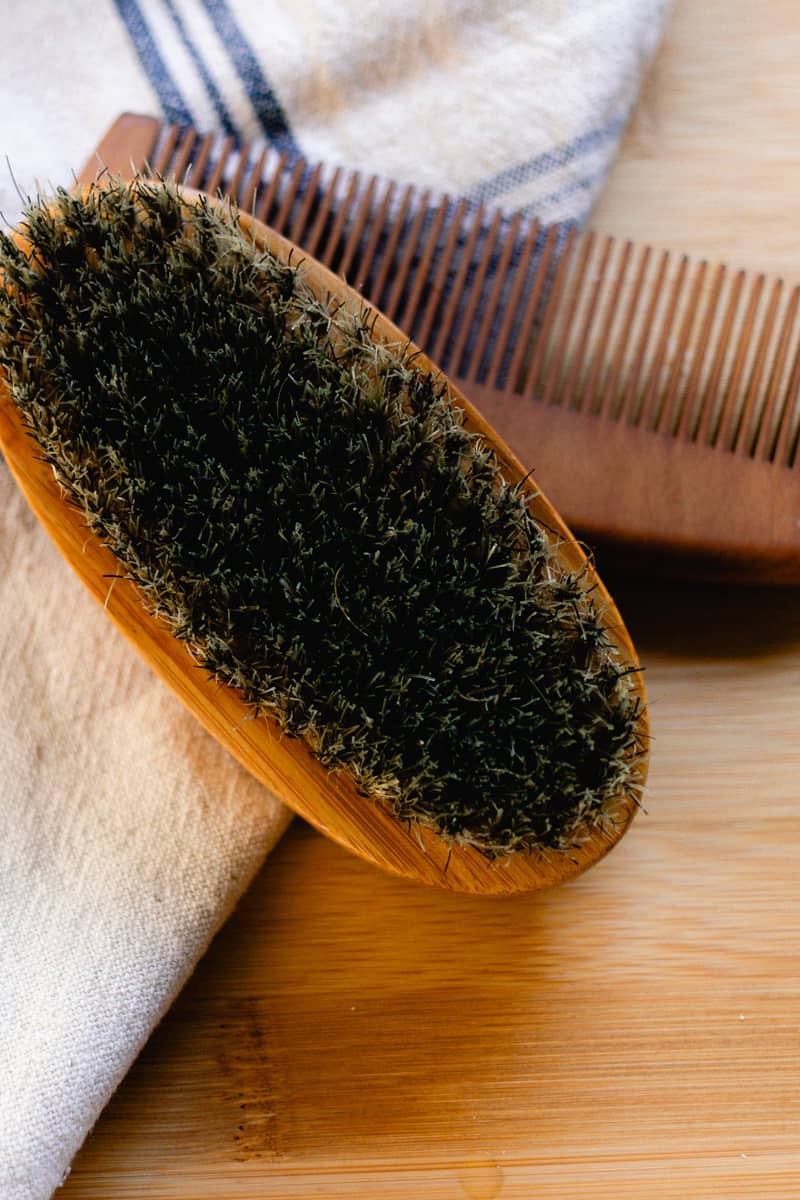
<point>655,398</point>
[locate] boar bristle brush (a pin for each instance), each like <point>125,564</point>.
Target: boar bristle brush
<point>290,491</point>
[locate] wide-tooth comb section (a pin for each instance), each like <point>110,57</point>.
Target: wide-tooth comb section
<point>657,399</point>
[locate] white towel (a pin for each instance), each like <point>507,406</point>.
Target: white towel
<point>126,836</point>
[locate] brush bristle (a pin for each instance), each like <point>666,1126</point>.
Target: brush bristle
<point>307,511</point>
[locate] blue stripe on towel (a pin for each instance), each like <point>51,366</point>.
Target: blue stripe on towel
<point>213,91</point>
<point>265,102</point>
<point>543,164</point>
<point>172,102</point>
<point>585,184</point>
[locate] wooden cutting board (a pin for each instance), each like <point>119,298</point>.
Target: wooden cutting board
<point>634,1035</point>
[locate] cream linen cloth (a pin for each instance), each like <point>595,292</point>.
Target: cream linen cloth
<point>126,835</point>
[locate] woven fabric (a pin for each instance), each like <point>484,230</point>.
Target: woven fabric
<point>126,835</point>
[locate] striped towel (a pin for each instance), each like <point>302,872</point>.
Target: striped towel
<point>125,835</point>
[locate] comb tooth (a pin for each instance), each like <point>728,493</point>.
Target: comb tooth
<point>590,389</point>
<point>685,421</point>
<point>493,303</point>
<point>579,353</point>
<point>512,305</point>
<point>726,422</point>
<point>233,186</point>
<point>368,257</point>
<point>327,255</point>
<point>785,439</point>
<point>287,201</point>
<point>562,327</point>
<point>271,190</point>
<point>663,418</point>
<point>649,411</point>
<point>307,203</point>
<point>408,256</point>
<point>709,404</point>
<point>387,262</point>
<point>436,289</point>
<point>322,212</point>
<point>161,164</point>
<point>427,252</point>
<point>181,162</point>
<point>764,440</point>
<point>453,300</point>
<point>539,357</point>
<point>629,406</point>
<point>250,189</point>
<point>741,435</point>
<point>216,175</point>
<point>525,333</point>
<point>613,395</point>
<point>357,229</point>
<point>198,170</point>
<point>477,288</point>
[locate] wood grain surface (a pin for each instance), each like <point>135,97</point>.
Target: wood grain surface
<point>634,1035</point>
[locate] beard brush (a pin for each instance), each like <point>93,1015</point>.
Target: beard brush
<point>386,621</point>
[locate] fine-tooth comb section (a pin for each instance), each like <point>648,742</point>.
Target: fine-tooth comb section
<point>655,398</point>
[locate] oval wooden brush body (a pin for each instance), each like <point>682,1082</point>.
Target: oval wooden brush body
<point>326,798</point>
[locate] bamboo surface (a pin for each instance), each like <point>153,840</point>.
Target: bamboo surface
<point>633,1035</point>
